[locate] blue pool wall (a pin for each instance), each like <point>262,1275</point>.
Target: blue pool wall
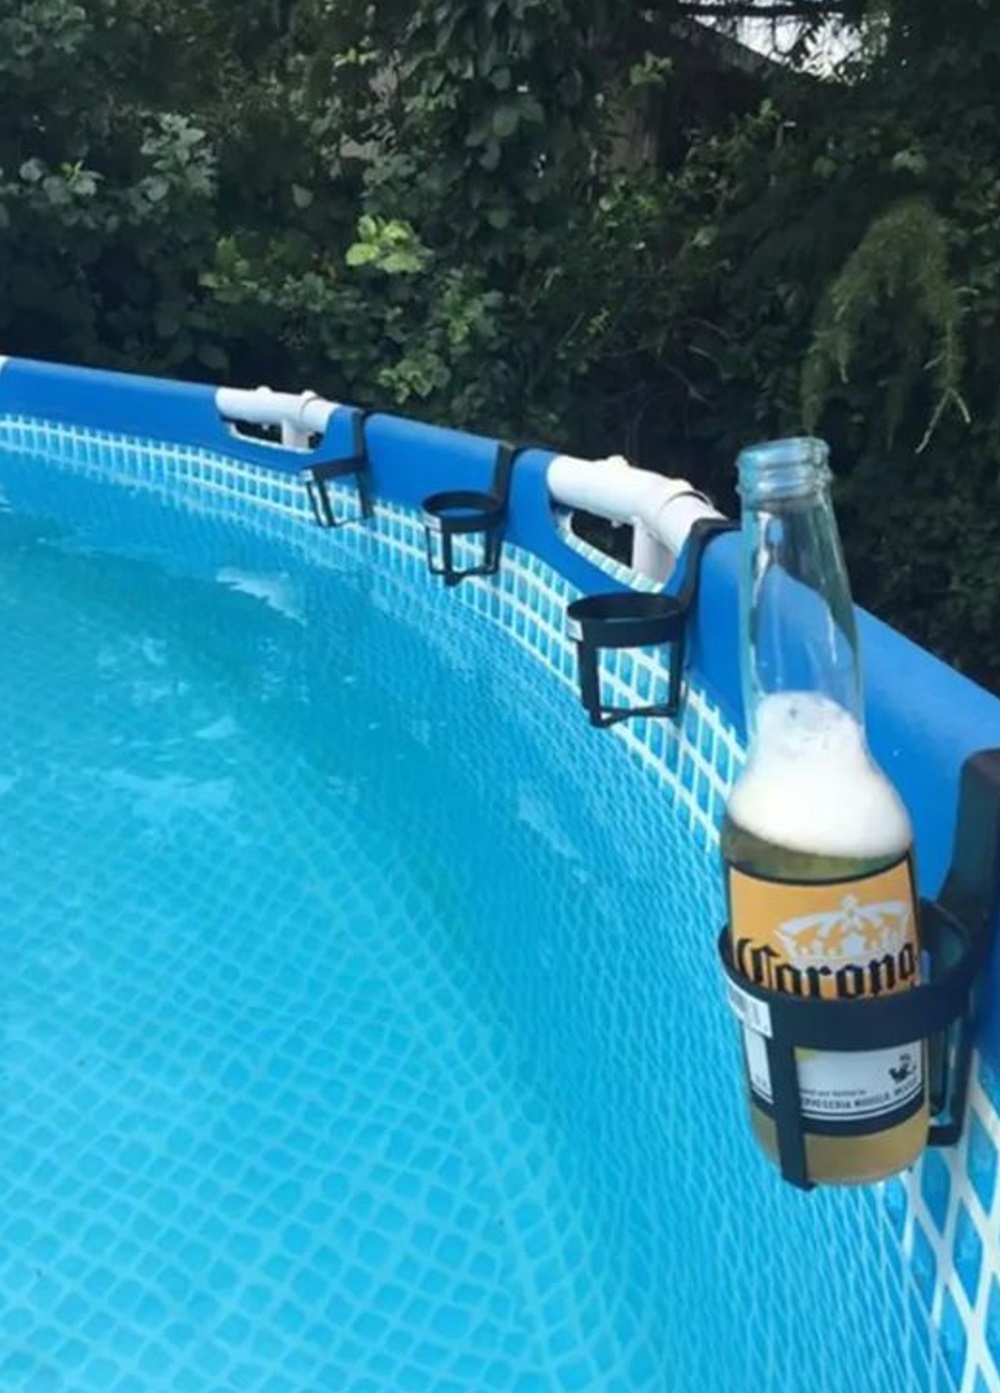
<point>924,720</point>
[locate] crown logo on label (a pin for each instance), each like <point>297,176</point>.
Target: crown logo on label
<point>853,933</point>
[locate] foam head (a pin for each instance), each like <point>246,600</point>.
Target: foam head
<point>811,785</point>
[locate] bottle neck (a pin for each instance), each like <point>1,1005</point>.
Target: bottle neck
<point>799,631</point>
<point>810,786</point>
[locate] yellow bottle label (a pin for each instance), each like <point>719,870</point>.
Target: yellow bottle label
<point>843,940</point>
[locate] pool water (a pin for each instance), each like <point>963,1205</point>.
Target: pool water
<point>360,1023</point>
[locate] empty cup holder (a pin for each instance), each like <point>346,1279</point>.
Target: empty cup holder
<point>477,517</point>
<point>625,620</point>
<point>318,476</point>
<point>464,528</point>
<point>633,619</point>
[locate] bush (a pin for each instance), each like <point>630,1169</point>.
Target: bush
<point>423,205</point>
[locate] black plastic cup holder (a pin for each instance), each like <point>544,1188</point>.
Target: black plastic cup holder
<point>468,513</point>
<point>628,620</point>
<point>318,476</point>
<point>462,513</point>
<point>957,933</point>
<point>633,619</point>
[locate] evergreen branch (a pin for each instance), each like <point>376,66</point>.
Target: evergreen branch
<point>902,255</point>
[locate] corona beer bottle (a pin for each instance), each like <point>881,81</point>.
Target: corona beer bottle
<point>816,842</point>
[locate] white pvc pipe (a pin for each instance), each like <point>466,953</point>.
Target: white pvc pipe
<point>293,437</point>
<point>649,556</point>
<point>306,413</point>
<point>662,510</point>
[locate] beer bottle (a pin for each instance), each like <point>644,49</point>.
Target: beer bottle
<point>816,843</point>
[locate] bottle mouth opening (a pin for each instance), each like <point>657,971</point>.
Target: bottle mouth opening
<point>783,468</point>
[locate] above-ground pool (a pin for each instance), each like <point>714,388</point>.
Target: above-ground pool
<point>362,1026</point>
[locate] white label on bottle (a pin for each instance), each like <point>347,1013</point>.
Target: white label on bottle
<point>844,1086</point>
<point>847,940</point>
<point>755,1015</point>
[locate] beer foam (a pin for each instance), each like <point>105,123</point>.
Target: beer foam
<point>810,784</point>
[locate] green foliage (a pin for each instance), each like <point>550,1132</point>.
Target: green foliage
<point>424,204</point>
<point>898,270</point>
<point>388,245</point>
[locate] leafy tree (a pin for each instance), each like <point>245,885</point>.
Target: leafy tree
<point>434,205</point>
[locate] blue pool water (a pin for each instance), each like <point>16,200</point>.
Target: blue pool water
<point>360,1023</point>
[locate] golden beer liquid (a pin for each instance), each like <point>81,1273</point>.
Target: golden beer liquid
<point>830,1160</point>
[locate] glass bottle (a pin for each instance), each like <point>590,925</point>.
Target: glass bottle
<point>816,843</point>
